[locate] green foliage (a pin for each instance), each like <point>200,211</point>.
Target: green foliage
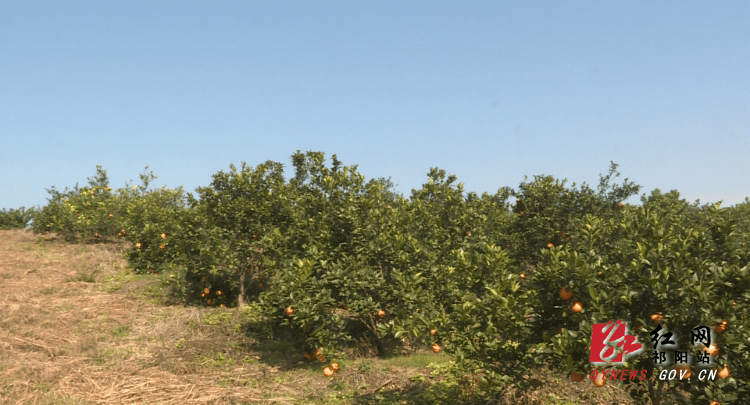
<point>359,266</point>
<point>81,214</point>
<point>547,212</point>
<point>16,218</point>
<point>651,260</point>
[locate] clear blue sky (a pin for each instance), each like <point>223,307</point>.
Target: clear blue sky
<point>488,91</point>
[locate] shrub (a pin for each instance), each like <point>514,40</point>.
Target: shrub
<point>650,261</point>
<point>16,218</point>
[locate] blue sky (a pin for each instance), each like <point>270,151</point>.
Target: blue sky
<point>488,91</point>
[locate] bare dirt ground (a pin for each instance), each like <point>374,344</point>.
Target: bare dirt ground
<point>77,327</point>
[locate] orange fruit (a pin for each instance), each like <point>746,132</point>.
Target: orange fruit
<point>657,318</point>
<point>715,403</point>
<point>620,204</point>
<point>203,295</point>
<point>289,311</point>
<point>522,213</point>
<point>522,275</point>
<point>518,200</point>
<point>123,232</point>
<point>321,358</point>
<point>432,332</point>
<point>468,233</point>
<point>138,245</point>
<point>724,373</point>
<point>381,313</point>
<point>209,301</point>
<point>550,245</point>
<point>335,366</point>
<point>712,350</point>
<point>111,216</point>
<point>684,367</point>
<point>576,376</point>
<point>218,292</point>
<point>721,328</point>
<point>599,381</point>
<point>577,307</point>
<point>565,293</point>
<point>436,348</point>
<point>328,372</point>
<point>164,235</point>
<point>161,247</point>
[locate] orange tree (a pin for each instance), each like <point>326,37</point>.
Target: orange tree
<point>471,294</point>
<point>81,214</point>
<point>332,261</point>
<point>546,211</point>
<point>153,221</point>
<point>651,261</point>
<point>16,218</point>
<point>221,236</point>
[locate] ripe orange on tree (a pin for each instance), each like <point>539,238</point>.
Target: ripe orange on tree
<point>335,366</point>
<point>320,357</point>
<point>724,373</point>
<point>714,402</point>
<point>206,290</point>
<point>522,275</point>
<point>164,235</point>
<point>657,318</point>
<point>432,332</point>
<point>550,245</point>
<point>522,213</point>
<point>218,292</point>
<point>381,313</point>
<point>289,311</point>
<point>712,350</point>
<point>436,348</point>
<point>565,293</point>
<point>684,367</point>
<point>721,328</point>
<point>161,247</point>
<point>620,204</point>
<point>328,372</point>
<point>111,216</point>
<point>577,307</point>
<point>138,245</point>
<point>209,301</point>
